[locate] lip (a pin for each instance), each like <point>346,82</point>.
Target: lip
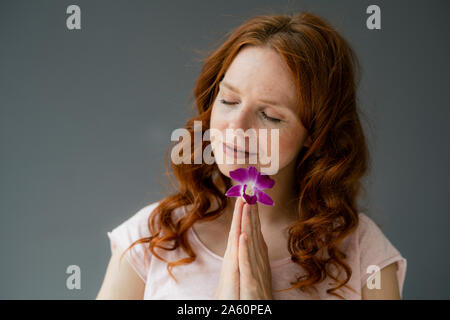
<point>230,148</point>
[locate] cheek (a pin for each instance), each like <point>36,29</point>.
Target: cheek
<point>286,150</point>
<point>217,119</point>
<point>217,125</point>
<point>290,144</point>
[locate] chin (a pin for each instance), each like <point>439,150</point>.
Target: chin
<point>226,168</point>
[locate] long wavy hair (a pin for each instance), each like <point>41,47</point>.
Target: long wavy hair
<point>328,171</point>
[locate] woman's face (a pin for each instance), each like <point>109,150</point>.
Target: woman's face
<point>264,97</point>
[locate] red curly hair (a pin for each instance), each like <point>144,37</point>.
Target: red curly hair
<point>328,171</point>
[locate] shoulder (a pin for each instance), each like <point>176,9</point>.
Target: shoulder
<point>370,236</point>
<point>376,251</point>
<point>143,213</point>
<point>366,227</point>
<point>135,226</point>
<point>125,279</point>
<point>372,240</point>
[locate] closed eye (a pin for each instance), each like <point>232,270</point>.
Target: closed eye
<point>264,115</point>
<point>226,102</point>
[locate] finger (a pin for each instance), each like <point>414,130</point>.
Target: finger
<point>244,261</point>
<point>235,229</point>
<point>246,224</point>
<point>257,220</point>
<point>256,224</point>
<point>247,228</point>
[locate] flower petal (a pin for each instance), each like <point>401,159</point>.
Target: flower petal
<point>263,181</point>
<point>252,173</point>
<point>239,175</point>
<point>234,191</point>
<point>249,199</point>
<point>264,198</point>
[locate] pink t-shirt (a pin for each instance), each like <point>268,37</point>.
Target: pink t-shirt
<point>199,279</point>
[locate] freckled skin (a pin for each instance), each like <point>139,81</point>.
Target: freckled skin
<point>259,73</point>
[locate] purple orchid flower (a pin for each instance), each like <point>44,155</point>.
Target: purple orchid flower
<point>251,184</point>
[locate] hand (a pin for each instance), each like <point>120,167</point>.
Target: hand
<point>228,288</point>
<point>254,266</point>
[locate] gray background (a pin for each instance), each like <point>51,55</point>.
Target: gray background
<point>86,118</point>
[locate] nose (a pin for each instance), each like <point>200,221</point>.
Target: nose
<point>241,119</point>
<point>240,124</point>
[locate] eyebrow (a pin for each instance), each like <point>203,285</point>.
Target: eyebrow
<point>232,88</point>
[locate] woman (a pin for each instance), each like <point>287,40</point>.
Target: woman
<point>294,75</point>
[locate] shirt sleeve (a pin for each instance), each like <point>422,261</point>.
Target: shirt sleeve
<point>132,229</point>
<point>376,249</point>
